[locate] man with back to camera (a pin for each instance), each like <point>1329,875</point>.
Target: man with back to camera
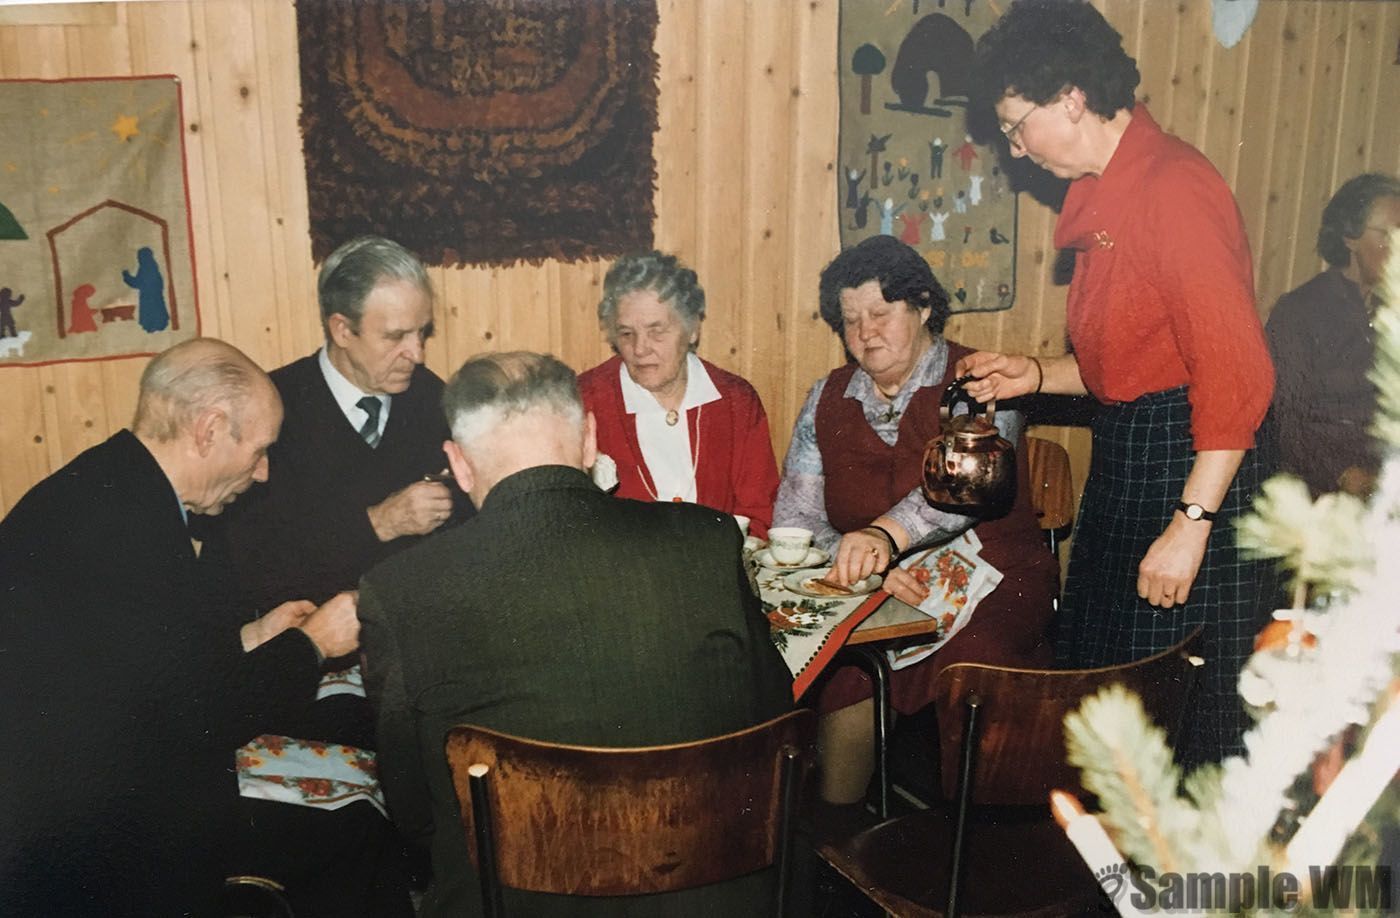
<point>128,680</point>
<point>557,613</point>
<point>364,429</point>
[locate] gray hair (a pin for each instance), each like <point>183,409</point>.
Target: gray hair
<point>189,379</point>
<point>492,388</point>
<point>1345,215</point>
<point>665,275</point>
<point>350,274</point>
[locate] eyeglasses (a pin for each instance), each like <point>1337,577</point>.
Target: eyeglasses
<point>1013,133</point>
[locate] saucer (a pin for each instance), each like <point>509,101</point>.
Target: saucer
<point>815,557</point>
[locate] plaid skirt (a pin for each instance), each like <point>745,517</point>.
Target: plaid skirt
<point>1142,454</point>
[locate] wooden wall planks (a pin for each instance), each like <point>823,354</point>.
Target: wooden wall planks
<point>745,192</point>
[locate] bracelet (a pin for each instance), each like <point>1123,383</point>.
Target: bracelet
<point>894,546</point>
<point>1040,374</point>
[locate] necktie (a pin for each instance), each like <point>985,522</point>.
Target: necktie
<point>370,428</point>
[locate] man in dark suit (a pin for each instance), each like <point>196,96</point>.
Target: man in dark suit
<point>364,427</point>
<point>127,680</point>
<point>557,613</point>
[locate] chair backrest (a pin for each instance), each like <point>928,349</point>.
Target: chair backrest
<point>1052,488</point>
<point>1020,756</point>
<point>596,821</point>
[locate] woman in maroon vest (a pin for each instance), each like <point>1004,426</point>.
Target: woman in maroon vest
<point>852,476</point>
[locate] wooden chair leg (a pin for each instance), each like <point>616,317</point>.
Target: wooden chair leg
<point>967,768</point>
<point>788,789</point>
<point>491,905</point>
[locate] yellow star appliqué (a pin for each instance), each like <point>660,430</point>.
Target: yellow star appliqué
<point>125,127</point>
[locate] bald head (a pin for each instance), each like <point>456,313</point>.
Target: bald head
<point>191,378</point>
<point>208,415</point>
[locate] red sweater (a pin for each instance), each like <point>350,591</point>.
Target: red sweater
<point>1163,288</point>
<point>737,472</point>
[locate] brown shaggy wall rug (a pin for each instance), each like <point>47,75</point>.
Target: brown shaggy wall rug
<point>480,131</point>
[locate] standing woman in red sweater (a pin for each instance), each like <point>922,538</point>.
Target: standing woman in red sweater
<point>678,427</point>
<point>1164,333</point>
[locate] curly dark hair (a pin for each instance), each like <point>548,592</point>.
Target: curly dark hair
<point>1345,215</point>
<point>1042,47</point>
<point>903,275</point>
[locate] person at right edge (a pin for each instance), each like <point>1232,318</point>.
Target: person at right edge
<point>1164,333</point>
<point>1324,346</point>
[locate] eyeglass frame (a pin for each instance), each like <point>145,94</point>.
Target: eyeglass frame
<point>1013,133</point>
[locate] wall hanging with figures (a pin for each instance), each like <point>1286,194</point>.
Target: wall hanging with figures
<point>95,253</point>
<point>909,165</point>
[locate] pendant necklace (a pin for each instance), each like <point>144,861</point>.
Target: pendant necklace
<point>644,474</point>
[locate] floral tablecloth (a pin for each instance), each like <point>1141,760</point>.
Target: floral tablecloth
<point>809,632</point>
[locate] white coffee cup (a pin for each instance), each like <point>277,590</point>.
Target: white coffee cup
<point>743,522</point>
<point>789,544</point>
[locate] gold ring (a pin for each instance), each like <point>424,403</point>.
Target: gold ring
<point>874,550</point>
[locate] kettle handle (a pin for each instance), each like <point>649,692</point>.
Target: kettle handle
<point>954,391</point>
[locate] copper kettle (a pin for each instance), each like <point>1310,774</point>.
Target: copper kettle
<point>969,468</point>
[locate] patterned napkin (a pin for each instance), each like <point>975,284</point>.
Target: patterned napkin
<point>307,773</point>
<point>958,579</point>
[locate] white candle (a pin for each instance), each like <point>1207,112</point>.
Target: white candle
<point>1095,847</point>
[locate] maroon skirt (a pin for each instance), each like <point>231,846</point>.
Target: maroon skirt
<point>1008,628</point>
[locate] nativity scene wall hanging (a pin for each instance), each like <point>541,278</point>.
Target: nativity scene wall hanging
<point>909,165</point>
<point>95,254</point>
<point>480,131</point>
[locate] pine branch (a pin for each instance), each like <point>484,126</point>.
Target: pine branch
<point>1125,762</point>
<point>1321,543</point>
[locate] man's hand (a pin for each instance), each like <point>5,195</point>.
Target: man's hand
<point>287,615</point>
<point>415,510</point>
<point>334,628</point>
<point>1167,571</point>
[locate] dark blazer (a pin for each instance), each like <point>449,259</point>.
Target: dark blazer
<point>562,614</point>
<point>126,693</point>
<point>304,534</point>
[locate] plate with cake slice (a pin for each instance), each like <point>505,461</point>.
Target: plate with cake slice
<point>819,584</point>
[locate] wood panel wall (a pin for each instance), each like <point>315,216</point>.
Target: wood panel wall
<point>746,192</point>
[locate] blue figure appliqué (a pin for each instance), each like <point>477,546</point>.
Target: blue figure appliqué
<point>149,284</point>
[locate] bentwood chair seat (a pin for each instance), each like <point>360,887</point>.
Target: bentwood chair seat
<point>993,848</point>
<point>599,821</point>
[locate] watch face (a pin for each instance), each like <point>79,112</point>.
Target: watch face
<point>1194,511</point>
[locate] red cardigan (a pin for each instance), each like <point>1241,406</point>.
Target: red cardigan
<point>737,472</point>
<point>1163,288</point>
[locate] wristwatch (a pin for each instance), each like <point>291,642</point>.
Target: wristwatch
<point>1195,511</point>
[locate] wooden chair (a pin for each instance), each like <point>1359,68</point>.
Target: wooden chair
<point>593,821</point>
<point>1001,736</point>
<point>1052,489</point>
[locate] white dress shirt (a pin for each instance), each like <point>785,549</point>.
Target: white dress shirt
<point>666,449</point>
<point>347,394</point>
